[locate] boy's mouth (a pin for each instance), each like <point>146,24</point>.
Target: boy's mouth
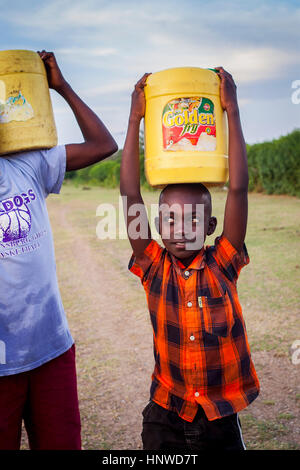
<point>185,245</point>
<point>181,244</point>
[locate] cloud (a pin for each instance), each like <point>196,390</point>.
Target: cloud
<point>112,44</point>
<point>59,14</point>
<point>255,41</point>
<point>247,64</point>
<point>86,52</point>
<point>115,87</point>
<point>244,101</point>
<point>258,64</point>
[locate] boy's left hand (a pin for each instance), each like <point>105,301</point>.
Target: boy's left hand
<point>228,93</point>
<point>54,75</point>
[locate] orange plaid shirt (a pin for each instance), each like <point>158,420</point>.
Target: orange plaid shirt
<point>201,351</point>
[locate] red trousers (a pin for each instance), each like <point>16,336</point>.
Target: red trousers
<point>46,398</point>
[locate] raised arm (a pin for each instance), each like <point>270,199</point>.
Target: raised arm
<point>98,142</point>
<point>134,210</point>
<point>236,209</point>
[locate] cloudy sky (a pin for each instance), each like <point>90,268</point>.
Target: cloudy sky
<point>103,47</point>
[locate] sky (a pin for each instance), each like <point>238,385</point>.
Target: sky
<point>104,47</point>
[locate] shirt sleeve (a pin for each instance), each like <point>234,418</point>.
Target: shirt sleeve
<point>141,265</point>
<point>1,171</point>
<point>52,168</point>
<point>229,259</point>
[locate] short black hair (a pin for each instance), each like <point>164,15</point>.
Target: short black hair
<point>197,187</point>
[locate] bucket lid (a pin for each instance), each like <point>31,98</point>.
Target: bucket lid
<point>21,61</point>
<point>182,80</point>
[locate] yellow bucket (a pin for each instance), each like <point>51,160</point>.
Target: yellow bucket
<point>186,137</point>
<point>26,115</point>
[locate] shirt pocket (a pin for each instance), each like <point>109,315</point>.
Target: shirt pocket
<point>217,313</point>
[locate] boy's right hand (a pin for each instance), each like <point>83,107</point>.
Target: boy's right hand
<point>138,102</point>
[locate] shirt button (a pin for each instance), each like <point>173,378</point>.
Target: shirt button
<point>189,304</point>
<point>192,337</point>
<point>197,394</point>
<point>187,273</point>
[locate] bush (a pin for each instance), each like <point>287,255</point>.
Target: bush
<point>82,176</point>
<point>254,177</point>
<point>274,167</point>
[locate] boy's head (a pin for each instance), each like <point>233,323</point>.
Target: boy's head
<point>185,218</point>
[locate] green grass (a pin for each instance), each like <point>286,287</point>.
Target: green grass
<point>267,435</point>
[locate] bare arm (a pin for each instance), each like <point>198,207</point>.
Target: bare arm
<point>130,174</point>
<point>98,142</point>
<point>236,209</point>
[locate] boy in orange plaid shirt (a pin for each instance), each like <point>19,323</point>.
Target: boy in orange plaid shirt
<point>203,373</point>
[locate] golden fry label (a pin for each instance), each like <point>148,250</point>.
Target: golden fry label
<point>189,124</point>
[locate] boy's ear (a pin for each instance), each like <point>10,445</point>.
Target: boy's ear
<point>157,224</point>
<point>211,225</point>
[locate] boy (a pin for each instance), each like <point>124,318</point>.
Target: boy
<point>37,365</point>
<point>203,370</point>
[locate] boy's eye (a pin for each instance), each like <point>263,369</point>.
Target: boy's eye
<point>193,220</point>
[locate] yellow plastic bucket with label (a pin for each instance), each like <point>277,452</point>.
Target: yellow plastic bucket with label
<point>186,137</point>
<point>26,115</point>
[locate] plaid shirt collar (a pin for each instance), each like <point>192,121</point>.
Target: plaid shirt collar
<point>197,263</point>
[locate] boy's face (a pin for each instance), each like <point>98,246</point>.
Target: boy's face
<point>185,220</point>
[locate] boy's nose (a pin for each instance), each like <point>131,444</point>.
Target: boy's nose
<point>179,228</point>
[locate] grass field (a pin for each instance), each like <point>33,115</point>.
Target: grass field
<point>108,318</point>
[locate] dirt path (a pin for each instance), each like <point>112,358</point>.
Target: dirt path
<point>108,318</point>
<point>113,340</point>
